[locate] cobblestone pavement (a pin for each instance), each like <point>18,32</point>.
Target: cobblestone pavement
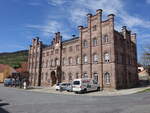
<point>14,100</point>
<point>96,93</point>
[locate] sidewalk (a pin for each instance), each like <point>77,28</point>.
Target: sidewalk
<point>99,93</point>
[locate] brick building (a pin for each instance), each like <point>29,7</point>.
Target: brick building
<point>100,52</point>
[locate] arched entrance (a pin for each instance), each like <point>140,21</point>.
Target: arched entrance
<point>53,78</point>
<point>58,74</point>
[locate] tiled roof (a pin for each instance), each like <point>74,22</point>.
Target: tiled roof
<point>4,66</point>
<point>70,39</point>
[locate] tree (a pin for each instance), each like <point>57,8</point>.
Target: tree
<point>145,59</point>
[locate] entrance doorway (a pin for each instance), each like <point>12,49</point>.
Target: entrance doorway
<point>53,78</point>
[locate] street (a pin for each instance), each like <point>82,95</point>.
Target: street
<point>14,100</point>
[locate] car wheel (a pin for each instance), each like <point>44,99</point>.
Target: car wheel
<point>98,88</point>
<point>76,92</point>
<point>85,91</point>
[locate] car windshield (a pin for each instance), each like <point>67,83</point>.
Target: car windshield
<point>57,84</point>
<point>7,79</point>
<point>76,82</point>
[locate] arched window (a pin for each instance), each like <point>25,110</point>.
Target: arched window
<point>95,77</point>
<point>85,75</point>
<point>85,44</point>
<point>46,76</point>
<point>56,62</point>
<point>106,57</point>
<point>63,75</point>
<point>105,38</point>
<point>52,63</point>
<point>107,78</point>
<point>77,75</point>
<point>95,58</point>
<point>94,42</point>
<point>77,60</point>
<point>70,60</point>
<point>63,61</point>
<point>70,77</point>
<point>85,59</point>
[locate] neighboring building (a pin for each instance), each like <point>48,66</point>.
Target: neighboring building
<point>140,69</point>
<point>100,52</point>
<point>143,74</point>
<point>22,71</point>
<point>5,71</point>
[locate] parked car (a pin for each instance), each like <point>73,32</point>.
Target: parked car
<point>17,83</point>
<point>63,87</point>
<point>57,86</point>
<point>9,82</point>
<point>84,85</point>
<point>69,87</point>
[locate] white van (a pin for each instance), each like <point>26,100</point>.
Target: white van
<point>84,85</point>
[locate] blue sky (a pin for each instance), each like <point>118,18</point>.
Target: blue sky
<point>21,20</point>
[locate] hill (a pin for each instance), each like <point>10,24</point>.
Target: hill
<point>14,59</point>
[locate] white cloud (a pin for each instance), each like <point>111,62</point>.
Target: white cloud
<point>34,3</point>
<point>79,8</point>
<point>133,21</point>
<point>56,2</point>
<point>148,1</point>
<point>145,36</point>
<point>78,16</point>
<point>50,28</point>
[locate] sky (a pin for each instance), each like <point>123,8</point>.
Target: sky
<point>22,20</point>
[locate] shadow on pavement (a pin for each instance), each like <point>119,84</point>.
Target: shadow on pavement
<point>1,109</point>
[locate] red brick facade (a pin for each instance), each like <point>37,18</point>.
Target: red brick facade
<point>100,52</point>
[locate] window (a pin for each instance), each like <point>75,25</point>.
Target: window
<point>64,50</point>
<point>107,78</point>
<point>85,75</point>
<point>52,52</point>
<point>70,76</point>
<point>77,60</point>
<point>46,76</point>
<point>106,57</point>
<point>70,60</point>
<point>64,61</point>
<point>43,54</point>
<point>56,62</point>
<point>85,44</point>
<point>95,78</point>
<point>56,51</point>
<point>77,47</point>
<point>77,75</point>
<point>85,59</point>
<point>105,38</point>
<point>76,83</point>
<point>63,75</point>
<point>70,49</point>
<point>42,64</point>
<point>52,63</point>
<point>47,53</point>
<point>94,42</point>
<point>95,58</point>
<point>47,63</point>
<point>94,28</point>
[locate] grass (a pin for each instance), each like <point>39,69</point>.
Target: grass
<point>145,90</point>
<point>14,59</point>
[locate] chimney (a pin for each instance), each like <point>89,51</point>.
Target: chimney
<point>99,11</point>
<point>133,38</point>
<point>73,36</point>
<point>111,16</point>
<point>80,27</point>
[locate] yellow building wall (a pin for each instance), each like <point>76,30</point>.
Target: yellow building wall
<point>1,77</point>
